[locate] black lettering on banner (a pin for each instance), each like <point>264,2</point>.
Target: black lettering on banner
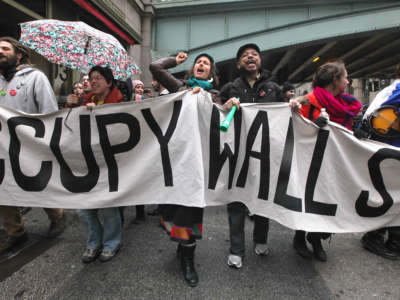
<point>362,207</point>
<point>312,206</point>
<point>27,183</point>
<point>76,184</point>
<point>163,140</point>
<point>261,120</point>
<point>109,150</point>
<point>281,196</point>
<point>218,158</point>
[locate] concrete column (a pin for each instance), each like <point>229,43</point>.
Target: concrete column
<point>358,90</point>
<point>145,55</point>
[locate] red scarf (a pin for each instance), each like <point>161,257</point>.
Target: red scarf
<point>341,109</point>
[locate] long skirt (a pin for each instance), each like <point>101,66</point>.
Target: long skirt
<point>184,224</point>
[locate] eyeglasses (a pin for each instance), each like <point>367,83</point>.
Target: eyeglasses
<point>97,78</point>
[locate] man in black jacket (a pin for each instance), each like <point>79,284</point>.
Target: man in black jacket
<point>253,86</point>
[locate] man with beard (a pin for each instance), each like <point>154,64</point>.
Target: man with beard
<point>28,90</point>
<point>253,86</point>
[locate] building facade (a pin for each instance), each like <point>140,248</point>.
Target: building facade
<point>127,20</point>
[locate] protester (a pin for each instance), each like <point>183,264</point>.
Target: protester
<point>103,241</point>
<point>288,91</point>
<point>126,89</point>
<point>186,221</point>
<point>139,92</point>
<point>159,88</point>
<point>253,86</point>
<point>329,83</point>
<point>374,241</point>
<point>77,89</point>
<point>26,89</point>
<point>86,84</point>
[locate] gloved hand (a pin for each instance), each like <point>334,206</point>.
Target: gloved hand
<point>321,122</point>
<point>360,133</point>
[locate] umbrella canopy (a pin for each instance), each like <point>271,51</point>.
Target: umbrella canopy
<point>77,46</point>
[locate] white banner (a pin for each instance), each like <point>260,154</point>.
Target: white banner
<point>170,150</point>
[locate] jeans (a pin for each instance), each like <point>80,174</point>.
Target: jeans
<point>237,214</point>
<point>110,235</point>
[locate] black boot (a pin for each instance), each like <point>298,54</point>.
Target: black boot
<point>187,264</point>
<point>315,240</point>
<point>374,242</point>
<point>299,244</point>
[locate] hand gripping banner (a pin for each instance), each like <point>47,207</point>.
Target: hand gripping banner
<point>170,150</point>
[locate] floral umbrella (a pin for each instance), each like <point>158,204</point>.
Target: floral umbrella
<point>77,46</point>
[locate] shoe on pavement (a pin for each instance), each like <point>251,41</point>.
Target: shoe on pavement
<point>376,245</point>
<point>56,228</point>
<point>300,245</point>
<point>109,255</point>
<point>319,252</point>
<point>90,255</point>
<point>12,241</point>
<point>234,261</point>
<point>393,245</point>
<point>261,249</point>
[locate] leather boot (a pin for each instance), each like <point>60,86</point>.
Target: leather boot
<point>319,252</point>
<point>373,241</point>
<point>393,244</point>
<point>187,264</point>
<point>299,244</point>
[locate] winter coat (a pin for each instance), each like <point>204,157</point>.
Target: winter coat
<point>264,90</point>
<point>114,96</point>
<point>28,91</point>
<point>159,70</point>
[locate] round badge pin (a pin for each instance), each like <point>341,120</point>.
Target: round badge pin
<point>13,92</point>
<point>3,93</point>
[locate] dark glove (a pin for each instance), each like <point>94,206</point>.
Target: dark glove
<point>321,122</point>
<point>360,133</point>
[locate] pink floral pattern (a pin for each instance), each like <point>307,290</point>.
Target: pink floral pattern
<point>77,46</point>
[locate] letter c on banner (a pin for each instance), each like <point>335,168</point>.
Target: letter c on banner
<point>27,183</point>
<point>362,208</point>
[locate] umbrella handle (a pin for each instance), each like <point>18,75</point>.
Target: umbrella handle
<point>87,44</point>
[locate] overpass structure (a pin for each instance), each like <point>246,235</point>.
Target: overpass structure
<point>295,36</point>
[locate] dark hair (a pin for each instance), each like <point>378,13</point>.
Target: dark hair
<point>327,73</point>
<point>18,49</point>
<point>287,86</point>
<point>213,70</point>
<point>106,73</point>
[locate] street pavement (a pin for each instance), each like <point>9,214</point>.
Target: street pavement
<point>147,267</point>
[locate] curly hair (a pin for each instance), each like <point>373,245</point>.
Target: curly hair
<point>328,73</point>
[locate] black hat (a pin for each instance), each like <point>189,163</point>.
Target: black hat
<point>244,47</point>
<point>287,86</point>
<point>206,55</point>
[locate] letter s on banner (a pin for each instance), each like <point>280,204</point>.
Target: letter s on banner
<point>362,208</point>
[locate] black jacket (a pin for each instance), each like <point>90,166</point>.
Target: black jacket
<point>264,90</point>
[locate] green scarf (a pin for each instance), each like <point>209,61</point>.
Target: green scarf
<point>204,84</point>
